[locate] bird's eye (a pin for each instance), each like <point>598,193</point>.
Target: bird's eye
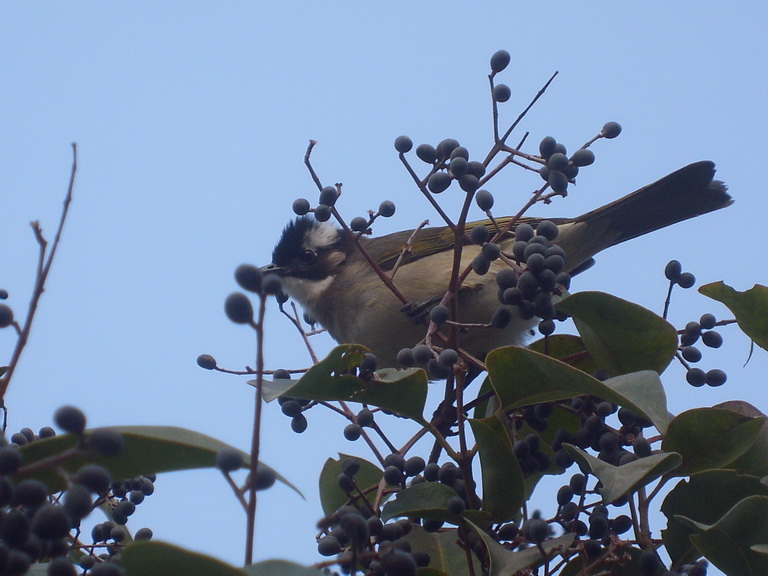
<point>308,256</point>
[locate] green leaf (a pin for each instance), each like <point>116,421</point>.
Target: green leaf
<point>755,460</point>
<point>425,500</point>
<point>522,377</point>
<point>281,568</point>
<point>749,307</point>
<point>567,348</point>
<point>620,480</point>
<point>710,438</point>
<point>729,542</point>
<point>445,555</point>
<point>719,489</point>
<point>605,564</point>
<point>331,496</point>
<point>505,562</point>
<point>621,336</point>
<point>152,558</point>
<point>401,391</point>
<point>147,450</point>
<point>503,481</point>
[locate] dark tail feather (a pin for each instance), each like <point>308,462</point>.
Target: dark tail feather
<point>686,193</point>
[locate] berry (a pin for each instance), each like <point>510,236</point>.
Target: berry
<point>265,478</point>
<point>328,546</point>
<point>476,169</point>
<point>46,432</point>
<point>439,314</point>
<point>469,183</point>
<point>405,357</point>
<point>229,460</point>
<point>479,235</point>
<point>438,182</point>
<point>61,566</point>
<point>143,534</point>
<point>299,423</point>
<point>94,477</point>
<point>426,153</point>
<point>10,460</point>
<point>281,374</point>
<point>393,475</point>
<point>460,152</point>
<point>686,280</point>
<point>484,200</point>
<point>328,195</point>
<point>448,357</point>
<point>352,432</point>
<point>206,361</point>
<point>403,144</point>
<point>583,157</point>
<point>708,321</point>
<point>300,206</point>
<point>716,377</point>
<point>501,93</point>
<point>481,264</point>
<point>51,522</point>
<point>445,147</point>
<point>387,208</point>
<point>291,408</point>
<point>641,446</point>
<point>6,316</point>
<point>557,181</point>
<point>500,60</point>
<point>491,251</point>
<point>70,419</point>
<point>414,465</point>
<point>369,362</point>
<point>691,354</point>
<point>422,354</point>
<point>458,166</point>
<point>712,339</point>
<point>696,377</point>
<point>456,505</point>
<point>248,277</point>
<point>398,563</point>
<point>31,493</point>
<point>358,224</point>
<point>548,229</point>
<point>649,562</point>
<point>506,278</point>
<point>106,441</point>
<point>547,146</point>
<point>322,213</point>
<point>611,130</point>
<point>558,161</point>
<point>238,308</point>
<point>273,285</point>
<point>537,530</point>
<point>673,270</point>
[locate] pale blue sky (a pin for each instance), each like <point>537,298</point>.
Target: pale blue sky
<point>192,120</point>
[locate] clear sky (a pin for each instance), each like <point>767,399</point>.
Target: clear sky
<point>192,119</point>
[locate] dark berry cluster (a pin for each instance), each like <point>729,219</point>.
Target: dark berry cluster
<point>38,525</point>
<point>674,273</point>
<point>701,331</point>
<point>542,277</point>
<point>330,194</point>
<point>438,364</point>
<point>559,170</point>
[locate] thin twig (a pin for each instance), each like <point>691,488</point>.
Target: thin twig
<point>43,267</point>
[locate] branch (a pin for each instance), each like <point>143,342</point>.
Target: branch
<point>43,267</point>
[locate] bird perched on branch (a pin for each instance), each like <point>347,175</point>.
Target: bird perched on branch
<point>325,271</point>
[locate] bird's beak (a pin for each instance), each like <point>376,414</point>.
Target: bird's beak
<point>272,269</point>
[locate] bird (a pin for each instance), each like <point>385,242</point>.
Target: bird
<point>322,268</point>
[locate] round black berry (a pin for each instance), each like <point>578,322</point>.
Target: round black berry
<point>387,208</point>
<point>70,419</point>
<point>403,144</point>
<point>611,130</point>
<point>300,206</point>
<point>500,60</point>
<point>238,308</point>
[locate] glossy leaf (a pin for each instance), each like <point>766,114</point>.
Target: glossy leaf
<point>503,480</point>
<point>401,391</point>
<point>331,496</point>
<point>719,489</point>
<point>147,450</point>
<point>729,542</point>
<point>505,562</point>
<point>620,480</point>
<point>425,500</point>
<point>445,555</point>
<point>567,348</point>
<point>522,377</point>
<point>150,558</point>
<point>749,307</point>
<point>710,438</point>
<point>621,336</point>
<point>755,460</point>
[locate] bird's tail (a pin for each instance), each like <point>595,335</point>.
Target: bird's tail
<point>686,193</point>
